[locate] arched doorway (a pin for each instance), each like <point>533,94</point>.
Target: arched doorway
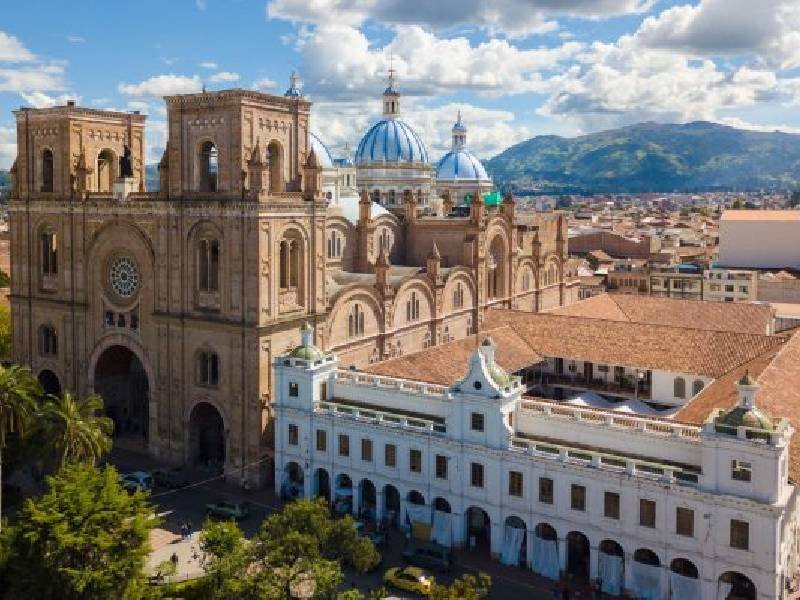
<point>415,497</point>
<point>207,437</point>
<point>733,585</point>
<point>367,500</point>
<point>496,268</point>
<point>322,484</point>
<point>391,502</point>
<point>578,555</point>
<point>479,530</point>
<point>343,495</point>
<point>105,171</point>
<point>275,157</point>
<point>683,579</point>
<point>515,547</point>
<point>611,567</point>
<point>292,482</point>
<point>646,574</point>
<point>545,560</point>
<point>120,379</point>
<point>49,382</point>
<point>441,505</point>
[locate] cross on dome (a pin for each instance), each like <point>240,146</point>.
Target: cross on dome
<point>391,97</point>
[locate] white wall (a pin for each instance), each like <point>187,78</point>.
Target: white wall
<point>759,243</point>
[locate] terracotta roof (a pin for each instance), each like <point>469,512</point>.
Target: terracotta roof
<point>446,363</point>
<point>738,317</point>
<point>600,255</point>
<point>761,215</point>
<point>645,345</point>
<point>777,371</point>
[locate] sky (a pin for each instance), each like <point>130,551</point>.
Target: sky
<point>515,68</point>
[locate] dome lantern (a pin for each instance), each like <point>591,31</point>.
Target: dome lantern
<point>294,86</point>
<point>459,134</point>
<point>391,98</point>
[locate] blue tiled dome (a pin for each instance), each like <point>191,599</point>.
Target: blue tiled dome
<point>461,165</point>
<point>321,150</point>
<point>391,141</point>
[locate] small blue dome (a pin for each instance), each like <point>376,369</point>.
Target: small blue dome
<point>461,165</point>
<point>321,150</point>
<point>391,141</point>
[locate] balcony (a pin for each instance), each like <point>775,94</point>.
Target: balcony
<point>623,389</point>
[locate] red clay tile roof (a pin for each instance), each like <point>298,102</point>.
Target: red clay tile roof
<point>446,363</point>
<point>696,314</point>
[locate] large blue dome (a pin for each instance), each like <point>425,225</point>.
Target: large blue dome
<point>391,141</point>
<point>461,165</point>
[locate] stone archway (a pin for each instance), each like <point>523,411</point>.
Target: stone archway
<point>578,555</point>
<point>49,382</point>
<point>733,585</point>
<point>479,530</point>
<point>322,484</point>
<point>207,437</point>
<point>120,378</point>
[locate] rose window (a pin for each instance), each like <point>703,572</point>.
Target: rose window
<point>124,276</point>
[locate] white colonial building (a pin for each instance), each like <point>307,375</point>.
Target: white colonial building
<point>659,508</point>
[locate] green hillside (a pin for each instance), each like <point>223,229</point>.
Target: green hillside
<point>652,157</point>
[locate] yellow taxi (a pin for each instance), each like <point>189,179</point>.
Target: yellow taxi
<point>411,579</point>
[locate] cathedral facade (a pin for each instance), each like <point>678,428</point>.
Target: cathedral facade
<point>172,304</point>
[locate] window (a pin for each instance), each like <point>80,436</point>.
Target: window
<point>545,490</point>
<point>323,391</point>
<point>647,513</point>
<point>290,263</point>
<point>526,281</point>
<point>49,246</point>
<point>209,167</point>
<point>476,421</point>
<point>412,307</point>
<point>697,387</point>
<point>47,170</point>
<point>208,265</point>
<point>208,367</point>
<point>740,534</point>
<point>355,321</point>
<point>415,461</point>
<point>294,435</point>
<point>515,484</point>
<point>684,521</point>
<point>611,505</point>
<point>476,475</point>
<point>366,450</point>
<point>384,241</point>
<point>441,467</point>
<point>322,440</point>
<point>48,341</point>
<point>741,470</point>
<point>458,295</point>
<point>390,455</point>
<point>344,445</point>
<point>578,497</point>
<point>294,389</point>
<point>679,387</point>
<point>335,245</point>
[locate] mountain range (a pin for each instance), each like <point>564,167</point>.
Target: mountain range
<point>652,157</point>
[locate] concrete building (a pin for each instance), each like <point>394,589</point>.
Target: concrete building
<point>759,239</point>
<point>730,285</point>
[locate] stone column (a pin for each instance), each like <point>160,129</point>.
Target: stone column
<point>459,530</point>
<point>308,482</point>
<point>594,558</point>
<point>562,554</point>
<point>380,507</point>
<point>496,538</point>
<point>628,571</point>
<point>529,537</point>
<point>356,500</point>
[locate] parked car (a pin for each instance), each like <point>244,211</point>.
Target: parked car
<point>170,478</point>
<point>228,510</point>
<point>136,481</point>
<point>410,579</point>
<point>429,555</point>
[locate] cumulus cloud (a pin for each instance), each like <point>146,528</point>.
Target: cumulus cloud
<point>512,17</point>
<point>12,50</point>
<point>32,78</point>
<point>42,100</point>
<point>264,84</point>
<point>770,29</point>
<point>8,146</point>
<point>162,85</point>
<point>224,77</point>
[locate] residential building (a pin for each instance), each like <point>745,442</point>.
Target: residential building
<point>730,285</point>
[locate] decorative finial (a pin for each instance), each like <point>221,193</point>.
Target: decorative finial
<point>204,87</point>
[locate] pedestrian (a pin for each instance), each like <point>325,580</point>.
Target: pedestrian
<point>183,531</point>
<point>189,529</point>
<point>174,559</point>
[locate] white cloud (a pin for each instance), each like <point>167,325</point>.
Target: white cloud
<point>32,78</point>
<point>42,100</point>
<point>8,146</point>
<point>76,39</point>
<point>162,85</point>
<point>770,29</point>
<point>513,17</point>
<point>12,50</point>
<point>264,84</point>
<point>224,77</point>
<point>209,65</point>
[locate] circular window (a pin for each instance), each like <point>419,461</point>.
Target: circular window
<point>123,276</point>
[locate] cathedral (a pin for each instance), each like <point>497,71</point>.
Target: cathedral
<point>172,304</point>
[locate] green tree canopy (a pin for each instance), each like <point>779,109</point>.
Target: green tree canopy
<point>467,587</point>
<point>86,538</point>
<point>5,330</point>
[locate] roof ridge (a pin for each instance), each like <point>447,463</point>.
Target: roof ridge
<point>622,310</point>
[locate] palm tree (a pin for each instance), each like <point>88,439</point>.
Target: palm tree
<point>18,392</point>
<point>73,428</point>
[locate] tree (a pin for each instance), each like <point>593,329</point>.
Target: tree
<point>18,392</point>
<point>225,559</point>
<point>467,587</point>
<point>86,538</point>
<point>74,429</point>
<point>5,330</point>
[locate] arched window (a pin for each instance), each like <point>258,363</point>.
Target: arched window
<point>49,252</point>
<point>679,387</point>
<point>209,167</point>
<point>526,281</point>
<point>412,307</point>
<point>697,387</point>
<point>355,321</point>
<point>385,241</point>
<point>105,171</point>
<point>334,245</point>
<point>290,263</point>
<point>376,196</point>
<point>47,170</point>
<point>208,265</point>
<point>275,157</point>
<point>48,341</point>
<point>392,197</point>
<point>208,367</point>
<point>458,295</point>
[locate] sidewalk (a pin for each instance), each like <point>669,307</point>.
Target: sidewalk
<point>164,544</point>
